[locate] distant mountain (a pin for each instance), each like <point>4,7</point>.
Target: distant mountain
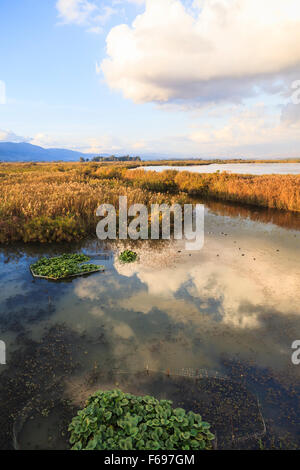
<point>24,152</point>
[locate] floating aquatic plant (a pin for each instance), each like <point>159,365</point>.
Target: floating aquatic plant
<point>114,420</point>
<point>128,256</point>
<point>63,266</point>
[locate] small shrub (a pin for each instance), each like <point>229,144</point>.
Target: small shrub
<point>128,256</point>
<point>115,420</point>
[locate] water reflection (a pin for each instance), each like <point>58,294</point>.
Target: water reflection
<point>232,308</point>
<point>285,219</point>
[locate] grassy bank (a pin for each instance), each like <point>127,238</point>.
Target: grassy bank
<point>195,162</point>
<point>57,202</point>
<point>273,191</point>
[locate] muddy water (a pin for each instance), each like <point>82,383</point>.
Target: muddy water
<point>174,324</point>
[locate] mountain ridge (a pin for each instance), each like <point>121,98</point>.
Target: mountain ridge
<point>25,152</point>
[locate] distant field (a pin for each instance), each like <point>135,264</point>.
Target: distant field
<point>57,202</point>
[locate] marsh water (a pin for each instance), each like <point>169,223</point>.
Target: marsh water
<point>211,330</point>
<point>240,168</point>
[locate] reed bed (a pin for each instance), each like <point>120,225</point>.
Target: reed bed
<point>58,201</point>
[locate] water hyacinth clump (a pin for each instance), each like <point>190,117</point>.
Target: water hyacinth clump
<point>128,256</point>
<point>114,420</point>
<point>63,266</point>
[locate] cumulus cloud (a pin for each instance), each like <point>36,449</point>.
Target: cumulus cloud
<point>222,50</point>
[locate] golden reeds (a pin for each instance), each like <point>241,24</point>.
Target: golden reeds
<point>58,201</point>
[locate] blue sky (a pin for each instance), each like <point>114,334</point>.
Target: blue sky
<point>161,77</point>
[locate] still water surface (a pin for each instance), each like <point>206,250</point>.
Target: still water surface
<point>229,312</point>
<point>241,168</point>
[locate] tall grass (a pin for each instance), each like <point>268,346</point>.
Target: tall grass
<point>274,191</point>
<point>48,203</point>
<point>58,202</point>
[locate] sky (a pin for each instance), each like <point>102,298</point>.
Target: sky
<point>181,78</point>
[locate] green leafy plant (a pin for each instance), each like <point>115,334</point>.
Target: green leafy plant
<point>114,420</point>
<point>128,256</point>
<point>63,266</point>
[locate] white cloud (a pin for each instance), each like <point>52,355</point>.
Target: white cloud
<point>246,127</point>
<point>92,14</point>
<point>85,13</point>
<point>75,11</point>
<point>68,141</point>
<point>224,50</point>
<point>139,145</point>
<point>291,115</point>
<point>136,2</point>
<point>10,136</point>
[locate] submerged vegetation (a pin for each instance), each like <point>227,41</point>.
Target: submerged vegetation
<point>58,201</point>
<point>63,266</point>
<point>128,256</point>
<point>115,420</point>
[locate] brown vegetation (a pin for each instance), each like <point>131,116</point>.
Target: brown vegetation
<point>58,201</point>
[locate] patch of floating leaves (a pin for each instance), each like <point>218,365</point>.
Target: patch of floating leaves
<point>128,256</point>
<point>63,266</point>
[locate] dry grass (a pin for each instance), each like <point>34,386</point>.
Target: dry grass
<point>58,201</point>
<point>274,191</point>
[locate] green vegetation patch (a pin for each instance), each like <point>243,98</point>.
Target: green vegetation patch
<point>128,256</point>
<point>63,266</point>
<point>114,420</point>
